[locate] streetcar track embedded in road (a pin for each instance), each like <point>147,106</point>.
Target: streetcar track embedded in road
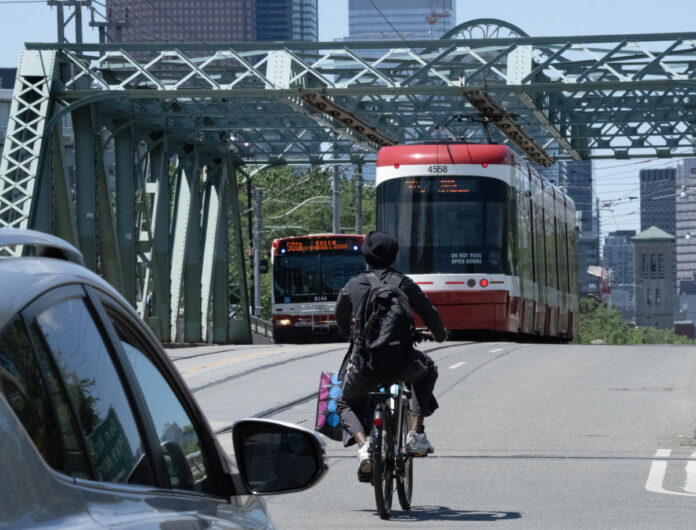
<point>301,400</point>
<point>260,368</point>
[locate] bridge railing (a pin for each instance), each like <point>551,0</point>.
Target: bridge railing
<point>261,327</point>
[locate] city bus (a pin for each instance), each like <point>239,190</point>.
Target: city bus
<point>308,273</point>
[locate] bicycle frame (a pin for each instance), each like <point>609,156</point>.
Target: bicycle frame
<point>390,461</point>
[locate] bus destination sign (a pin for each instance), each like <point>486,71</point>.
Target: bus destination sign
<point>312,244</point>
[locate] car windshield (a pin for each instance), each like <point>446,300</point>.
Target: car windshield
<point>445,224</point>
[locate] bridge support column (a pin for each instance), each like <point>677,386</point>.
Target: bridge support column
<point>240,326</point>
<point>192,255</point>
<point>125,210</point>
<point>159,163</point>
<point>215,257</point>
<point>85,157</point>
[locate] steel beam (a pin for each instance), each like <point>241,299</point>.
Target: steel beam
<point>85,155</point>
<point>125,210</point>
<point>192,255</point>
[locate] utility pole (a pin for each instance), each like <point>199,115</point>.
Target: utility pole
<point>76,14</point>
<point>358,198</point>
<point>258,199</point>
<point>336,200</point>
<point>250,233</point>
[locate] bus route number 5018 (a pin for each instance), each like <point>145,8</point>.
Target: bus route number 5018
<point>437,170</point>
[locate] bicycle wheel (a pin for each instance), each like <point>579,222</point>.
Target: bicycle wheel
<point>404,474</point>
<point>382,462</point>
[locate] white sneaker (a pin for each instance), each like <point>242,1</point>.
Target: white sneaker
<point>418,444</point>
<point>365,465</point>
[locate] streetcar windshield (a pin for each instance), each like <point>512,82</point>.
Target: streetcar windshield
<point>445,224</point>
<point>313,277</point>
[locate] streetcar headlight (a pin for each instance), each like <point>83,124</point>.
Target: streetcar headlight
<point>284,322</point>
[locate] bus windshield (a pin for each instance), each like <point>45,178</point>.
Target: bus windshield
<point>313,277</point>
<point>445,224</point>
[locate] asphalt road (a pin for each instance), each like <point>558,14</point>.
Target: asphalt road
<point>527,436</point>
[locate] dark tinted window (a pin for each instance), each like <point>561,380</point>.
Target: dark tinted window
<point>445,224</point>
<point>22,385</point>
<point>182,450</point>
<point>314,277</point>
<point>96,393</point>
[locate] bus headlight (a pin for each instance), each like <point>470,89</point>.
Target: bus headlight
<point>284,322</point>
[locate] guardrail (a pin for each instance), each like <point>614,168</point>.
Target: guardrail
<point>261,327</point>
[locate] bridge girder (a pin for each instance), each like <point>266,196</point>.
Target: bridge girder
<point>215,107</point>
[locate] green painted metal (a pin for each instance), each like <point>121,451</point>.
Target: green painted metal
<point>598,96</point>
<point>160,238</point>
<point>63,209</point>
<point>107,242</point>
<point>26,134</point>
<point>192,255</point>
<point>182,206</point>
<point>125,210</point>
<point>240,327</point>
<point>85,155</point>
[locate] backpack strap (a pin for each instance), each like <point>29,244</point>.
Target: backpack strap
<point>374,281</point>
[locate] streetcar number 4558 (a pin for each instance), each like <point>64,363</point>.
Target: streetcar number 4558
<point>437,169</point>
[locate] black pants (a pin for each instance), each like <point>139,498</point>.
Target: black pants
<point>352,406</point>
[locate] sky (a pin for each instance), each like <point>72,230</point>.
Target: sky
<point>33,21</point>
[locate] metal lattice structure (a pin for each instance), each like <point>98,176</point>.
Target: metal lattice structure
<point>180,120</point>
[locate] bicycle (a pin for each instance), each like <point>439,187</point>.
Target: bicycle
<point>391,422</point>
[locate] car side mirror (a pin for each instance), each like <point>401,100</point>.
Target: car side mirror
<point>275,457</point>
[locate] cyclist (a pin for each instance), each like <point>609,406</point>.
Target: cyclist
<point>380,251</point>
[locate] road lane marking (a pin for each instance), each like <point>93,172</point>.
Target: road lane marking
<point>495,351</point>
<point>690,486</point>
<point>233,360</point>
<point>457,365</point>
<point>658,469</point>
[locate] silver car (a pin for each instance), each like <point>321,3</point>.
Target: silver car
<point>97,428</point>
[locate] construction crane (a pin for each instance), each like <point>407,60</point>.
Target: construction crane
<point>437,11</point>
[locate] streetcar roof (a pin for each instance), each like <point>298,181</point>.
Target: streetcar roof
<point>447,153</point>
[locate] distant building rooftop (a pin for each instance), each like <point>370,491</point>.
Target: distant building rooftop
<point>653,233</point>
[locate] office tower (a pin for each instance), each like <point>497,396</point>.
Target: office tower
<point>287,20</point>
<point>208,21</point>
<point>411,19</point>
<point>686,239</point>
<point>657,199</point>
<point>578,183</point>
<point>654,273</point>
<point>618,256</point>
<point>686,220</point>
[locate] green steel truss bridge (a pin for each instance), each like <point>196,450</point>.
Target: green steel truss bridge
<point>134,152</point>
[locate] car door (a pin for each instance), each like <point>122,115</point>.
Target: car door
<point>133,442</point>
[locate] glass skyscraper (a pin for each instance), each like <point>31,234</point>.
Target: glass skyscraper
<point>209,21</point>
<point>577,181</point>
<point>412,19</point>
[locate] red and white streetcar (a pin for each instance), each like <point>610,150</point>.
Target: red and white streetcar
<point>308,274</point>
<point>489,240</point>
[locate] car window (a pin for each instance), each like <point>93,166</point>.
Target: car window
<point>97,396</point>
<point>23,387</point>
<point>182,450</point>
<point>77,464</point>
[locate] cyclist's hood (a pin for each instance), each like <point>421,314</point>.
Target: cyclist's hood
<point>380,249</point>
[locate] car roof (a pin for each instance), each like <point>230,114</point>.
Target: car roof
<point>22,279</point>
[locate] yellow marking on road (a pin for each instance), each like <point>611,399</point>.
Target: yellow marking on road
<point>235,360</point>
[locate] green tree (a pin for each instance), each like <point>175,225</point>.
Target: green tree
<point>284,214</point>
<point>601,323</point>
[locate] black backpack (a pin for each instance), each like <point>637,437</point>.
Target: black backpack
<point>384,328</point>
